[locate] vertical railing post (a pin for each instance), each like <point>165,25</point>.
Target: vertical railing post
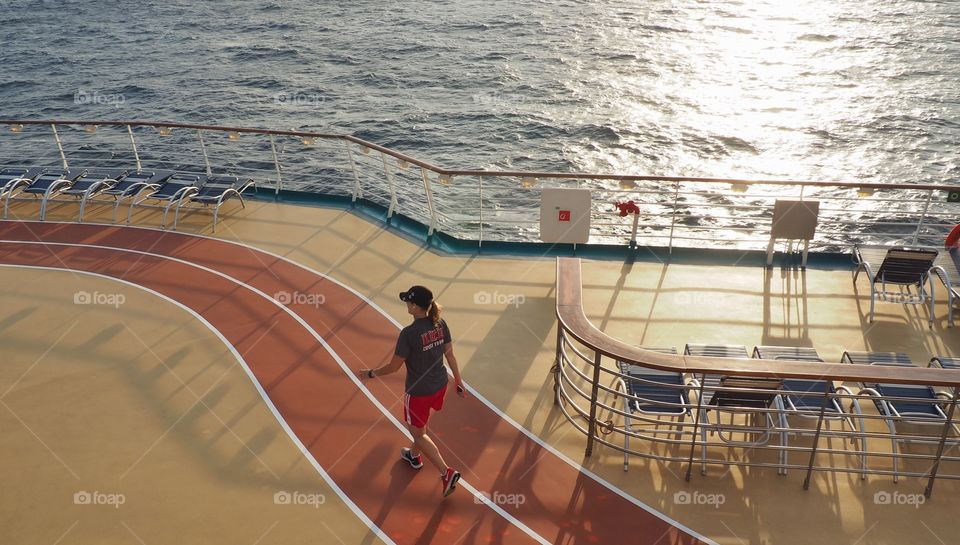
<point>393,193</point>
<point>558,361</point>
<point>696,426</point>
<point>926,206</point>
<point>56,138</point>
<point>203,150</point>
<point>430,206</point>
<point>133,144</point>
<point>943,440</point>
<point>480,194</point>
<point>276,165</point>
<point>357,190</point>
<point>673,217</point>
<point>816,438</point>
<point>594,390</point>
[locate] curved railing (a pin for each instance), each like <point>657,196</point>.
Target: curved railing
<point>481,205</point>
<point>590,384</point>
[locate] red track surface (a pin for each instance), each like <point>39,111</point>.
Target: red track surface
<point>346,433</point>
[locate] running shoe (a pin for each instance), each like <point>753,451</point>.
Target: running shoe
<point>416,462</point>
<point>449,481</point>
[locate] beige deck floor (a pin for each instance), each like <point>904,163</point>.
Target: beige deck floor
<point>501,311</point>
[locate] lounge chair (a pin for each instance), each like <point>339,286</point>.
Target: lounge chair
<point>947,269</point>
<point>899,266</point>
<point>169,193</point>
<point>650,392</point>
<point>91,184</point>
<point>912,404</point>
<point>944,362</point>
<point>44,187</point>
<point>10,175</point>
<point>756,394</point>
<point>132,184</point>
<point>869,357</point>
<point>805,397</point>
<point>214,192</point>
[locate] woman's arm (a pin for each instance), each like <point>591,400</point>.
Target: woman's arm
<point>391,367</point>
<point>454,366</point>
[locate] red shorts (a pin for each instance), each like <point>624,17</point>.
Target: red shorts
<point>416,409</point>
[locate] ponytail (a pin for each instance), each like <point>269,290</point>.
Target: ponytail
<point>434,313</point>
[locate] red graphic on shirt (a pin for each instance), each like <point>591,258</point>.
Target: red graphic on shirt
<point>564,215</point>
<point>431,338</point>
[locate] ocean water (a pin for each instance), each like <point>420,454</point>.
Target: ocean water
<point>808,89</point>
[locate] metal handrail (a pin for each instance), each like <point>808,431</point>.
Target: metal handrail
<point>584,395</point>
<point>677,210</point>
<point>474,172</point>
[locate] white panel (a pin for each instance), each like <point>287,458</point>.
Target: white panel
<point>565,215</point>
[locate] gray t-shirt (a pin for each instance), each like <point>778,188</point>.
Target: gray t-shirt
<point>421,345</point>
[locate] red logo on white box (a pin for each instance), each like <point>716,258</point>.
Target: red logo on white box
<point>564,215</point>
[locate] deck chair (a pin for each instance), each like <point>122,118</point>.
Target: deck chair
<point>91,184</point>
<point>804,398</point>
<point>947,269</point>
<point>214,192</point>
<point>650,393</point>
<point>900,266</point>
<point>10,175</point>
<point>132,184</point>
<point>912,404</point>
<point>169,193</point>
<point>944,362</point>
<point>731,393</point>
<point>44,187</point>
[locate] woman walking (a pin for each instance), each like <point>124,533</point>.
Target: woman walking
<point>422,346</point>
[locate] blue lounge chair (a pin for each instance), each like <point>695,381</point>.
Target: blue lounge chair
<point>944,362</point>
<point>804,398</point>
<point>214,192</point>
<point>650,392</point>
<point>44,187</point>
<point>91,184</point>
<point>171,192</point>
<point>132,184</point>
<point>911,404</point>
<point>10,175</point>
<point>900,266</point>
<point>947,269</point>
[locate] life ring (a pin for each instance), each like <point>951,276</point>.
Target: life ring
<point>953,237</point>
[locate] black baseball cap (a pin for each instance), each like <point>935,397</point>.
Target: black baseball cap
<point>418,295</point>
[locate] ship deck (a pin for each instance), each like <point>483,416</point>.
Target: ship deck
<point>113,393</point>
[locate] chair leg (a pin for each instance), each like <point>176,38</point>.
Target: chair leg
<point>626,444</point>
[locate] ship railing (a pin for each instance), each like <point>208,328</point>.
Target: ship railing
<point>488,205</point>
<point>859,440</point>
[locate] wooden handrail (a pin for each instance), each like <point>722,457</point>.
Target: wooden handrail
<point>492,173</point>
<point>573,320</point>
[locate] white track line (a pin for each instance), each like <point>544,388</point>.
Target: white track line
<point>533,437</point>
<point>480,498</point>
<point>273,409</point>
